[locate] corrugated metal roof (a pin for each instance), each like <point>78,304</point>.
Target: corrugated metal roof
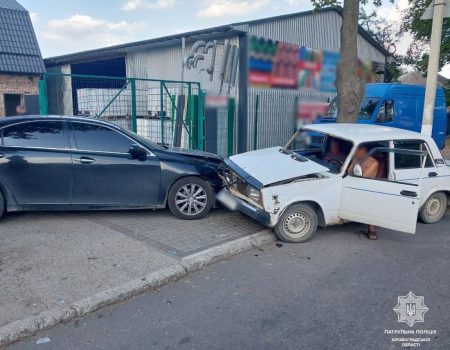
<point>19,49</point>
<point>122,49</point>
<point>226,29</point>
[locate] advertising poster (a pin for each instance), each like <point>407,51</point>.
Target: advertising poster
<point>276,64</point>
<point>328,74</point>
<point>309,68</point>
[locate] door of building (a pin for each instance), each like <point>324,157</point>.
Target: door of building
<point>11,102</point>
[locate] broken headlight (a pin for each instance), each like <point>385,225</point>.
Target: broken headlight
<point>254,194</point>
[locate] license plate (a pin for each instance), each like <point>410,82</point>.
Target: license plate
<point>227,199</point>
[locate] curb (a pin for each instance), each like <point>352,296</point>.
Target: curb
<point>30,326</point>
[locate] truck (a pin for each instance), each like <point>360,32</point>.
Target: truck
<point>398,106</point>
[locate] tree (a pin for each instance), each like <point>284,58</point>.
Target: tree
<point>387,35</point>
<point>350,89</point>
<point>417,55</point>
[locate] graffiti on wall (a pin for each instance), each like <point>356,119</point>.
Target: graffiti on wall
<point>275,64</point>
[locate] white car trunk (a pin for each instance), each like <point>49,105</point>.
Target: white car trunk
<point>270,165</point>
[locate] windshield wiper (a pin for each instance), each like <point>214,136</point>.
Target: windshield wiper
<point>299,158</point>
<point>163,145</point>
<point>293,155</point>
<point>285,151</point>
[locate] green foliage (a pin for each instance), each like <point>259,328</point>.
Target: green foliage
<point>394,71</point>
<point>318,4</point>
<point>417,55</point>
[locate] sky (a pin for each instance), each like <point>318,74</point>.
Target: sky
<point>66,26</point>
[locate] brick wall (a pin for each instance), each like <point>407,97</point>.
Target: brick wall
<point>16,84</point>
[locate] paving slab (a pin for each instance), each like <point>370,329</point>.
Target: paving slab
<point>50,260</point>
<point>177,238</point>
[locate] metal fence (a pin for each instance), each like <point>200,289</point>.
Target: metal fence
<point>273,113</point>
<point>166,112</point>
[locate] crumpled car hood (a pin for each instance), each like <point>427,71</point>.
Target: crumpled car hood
<point>196,154</point>
<point>269,165</point>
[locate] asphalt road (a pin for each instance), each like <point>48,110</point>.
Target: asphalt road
<point>336,292</point>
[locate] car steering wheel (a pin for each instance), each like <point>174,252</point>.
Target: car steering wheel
<point>337,162</point>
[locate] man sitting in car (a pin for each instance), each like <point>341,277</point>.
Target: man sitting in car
<point>335,152</point>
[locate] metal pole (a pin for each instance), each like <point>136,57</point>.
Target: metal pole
<point>255,125</point>
<point>161,101</point>
<point>231,111</point>
<point>133,105</point>
<point>433,67</point>
<point>43,96</point>
<point>190,115</point>
<point>200,119</point>
<point>183,55</point>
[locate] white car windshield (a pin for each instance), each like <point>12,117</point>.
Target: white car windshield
<point>327,150</point>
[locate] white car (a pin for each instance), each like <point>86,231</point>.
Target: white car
<point>299,187</point>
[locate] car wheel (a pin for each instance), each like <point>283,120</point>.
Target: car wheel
<point>2,204</point>
<point>190,198</point>
<point>297,224</point>
<point>434,209</point>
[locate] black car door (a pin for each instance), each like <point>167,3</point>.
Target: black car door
<point>104,172</point>
<point>35,162</point>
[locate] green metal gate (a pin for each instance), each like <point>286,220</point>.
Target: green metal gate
<point>163,111</point>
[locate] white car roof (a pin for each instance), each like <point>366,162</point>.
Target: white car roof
<point>359,133</point>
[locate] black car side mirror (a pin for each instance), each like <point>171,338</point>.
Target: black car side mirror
<point>137,152</point>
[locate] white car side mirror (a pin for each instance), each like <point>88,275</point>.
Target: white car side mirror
<point>357,170</point>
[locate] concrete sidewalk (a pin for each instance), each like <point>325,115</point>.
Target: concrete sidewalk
<point>57,266</point>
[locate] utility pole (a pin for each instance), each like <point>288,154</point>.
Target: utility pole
<point>438,7</point>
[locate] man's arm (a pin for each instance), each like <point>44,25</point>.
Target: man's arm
<point>351,167</point>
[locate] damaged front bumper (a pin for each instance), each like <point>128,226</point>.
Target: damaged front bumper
<point>232,202</point>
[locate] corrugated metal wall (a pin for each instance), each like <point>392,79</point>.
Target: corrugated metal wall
<point>166,63</point>
<point>277,107</point>
<point>318,31</point>
<point>59,89</point>
<point>315,31</point>
<point>277,113</point>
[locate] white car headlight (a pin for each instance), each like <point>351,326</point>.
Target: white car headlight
<point>253,193</point>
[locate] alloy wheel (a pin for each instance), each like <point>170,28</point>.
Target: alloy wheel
<point>191,199</point>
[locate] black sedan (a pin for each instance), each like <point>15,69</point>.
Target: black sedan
<point>67,163</point>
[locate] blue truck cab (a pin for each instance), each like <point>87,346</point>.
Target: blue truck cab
<point>398,106</point>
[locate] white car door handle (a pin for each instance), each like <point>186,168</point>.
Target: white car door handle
<point>408,193</point>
